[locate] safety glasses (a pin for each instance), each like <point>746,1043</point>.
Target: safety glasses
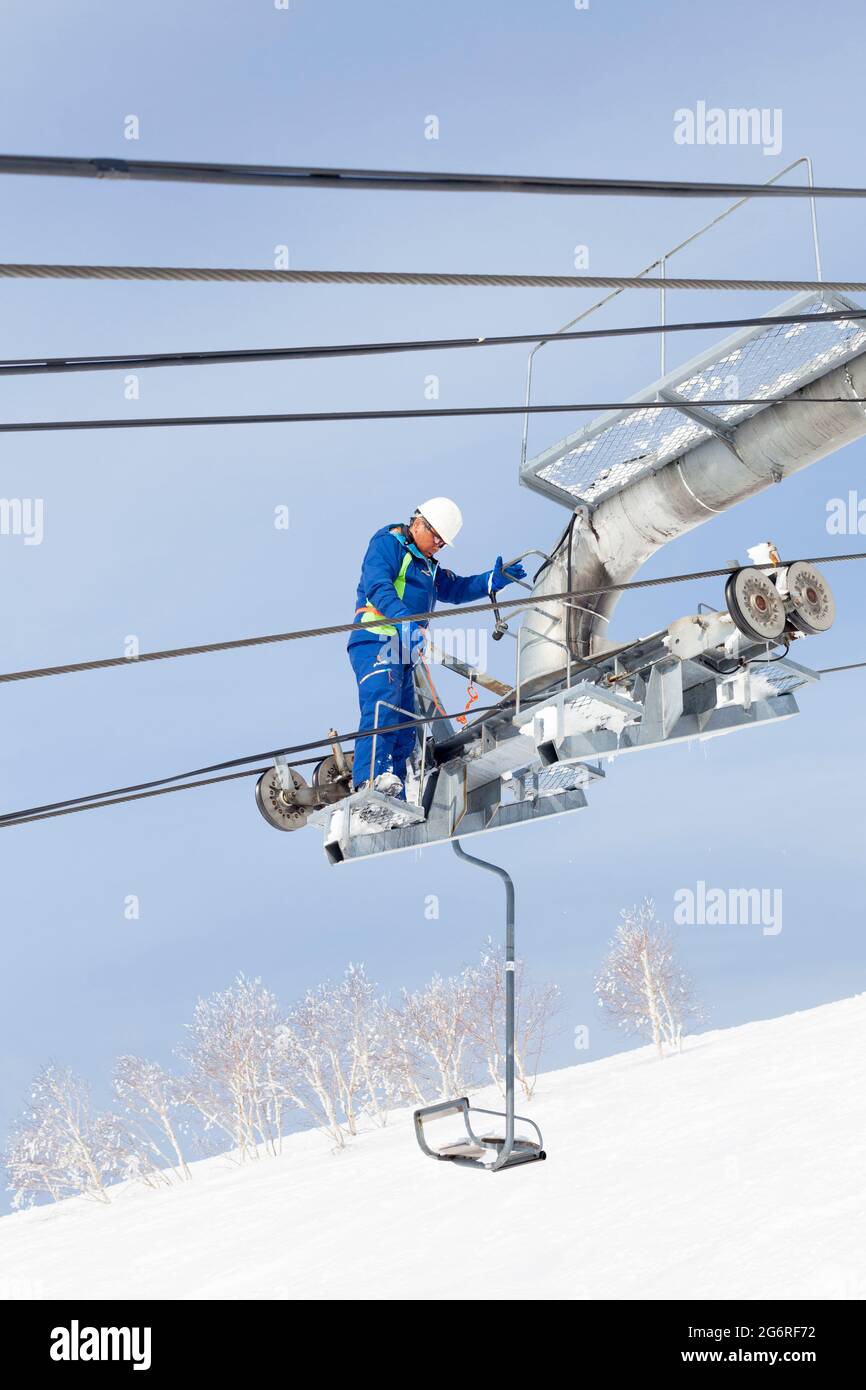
<point>437,539</point>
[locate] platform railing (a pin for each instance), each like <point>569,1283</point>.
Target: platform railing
<point>660,264</point>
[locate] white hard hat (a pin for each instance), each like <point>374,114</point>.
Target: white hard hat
<point>444,516</point>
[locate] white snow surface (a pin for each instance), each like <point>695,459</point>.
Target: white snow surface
<point>734,1170</point>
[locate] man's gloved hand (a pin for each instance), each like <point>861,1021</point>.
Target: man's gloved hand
<point>500,577</point>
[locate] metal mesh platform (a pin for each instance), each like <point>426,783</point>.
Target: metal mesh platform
<point>778,677</point>
<point>761,362</point>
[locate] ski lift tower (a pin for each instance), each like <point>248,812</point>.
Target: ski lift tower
<point>631,481</point>
<point>635,479</point>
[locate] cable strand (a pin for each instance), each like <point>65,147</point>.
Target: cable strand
<point>46,366</point>
<point>398,180</point>
<point>420,413</point>
<point>335,629</point>
<point>252,275</point>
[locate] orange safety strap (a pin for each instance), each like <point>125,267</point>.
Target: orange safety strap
<point>432,686</point>
<point>471,691</point>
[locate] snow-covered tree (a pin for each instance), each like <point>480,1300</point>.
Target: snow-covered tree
<point>348,1051</point>
<point>344,1051</point>
<point>319,1076</point>
<point>125,1153</point>
<point>534,1009</point>
<point>366,1020</point>
<point>641,986</point>
<point>356,1026</point>
<point>59,1147</point>
<point>237,1080</point>
<point>403,1071</point>
<point>151,1097</point>
<point>438,1020</point>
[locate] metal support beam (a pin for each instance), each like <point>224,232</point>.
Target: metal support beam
<point>703,417</point>
<point>505,1152</point>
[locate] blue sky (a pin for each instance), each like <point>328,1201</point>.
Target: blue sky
<point>169,535</point>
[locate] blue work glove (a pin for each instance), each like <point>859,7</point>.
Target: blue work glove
<point>500,577</point>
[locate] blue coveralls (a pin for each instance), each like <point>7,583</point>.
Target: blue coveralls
<point>381,656</point>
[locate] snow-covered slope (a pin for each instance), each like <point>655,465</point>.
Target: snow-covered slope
<point>735,1170</point>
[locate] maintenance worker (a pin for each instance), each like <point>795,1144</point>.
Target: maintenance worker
<point>400,576</point>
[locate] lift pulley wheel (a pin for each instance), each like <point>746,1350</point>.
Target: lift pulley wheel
<point>755,605</point>
<point>273,790</point>
<point>327,772</point>
<point>811,606</point>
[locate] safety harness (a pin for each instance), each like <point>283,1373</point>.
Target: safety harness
<point>368,612</point>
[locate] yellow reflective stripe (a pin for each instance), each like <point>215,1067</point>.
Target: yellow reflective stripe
<point>371,614</point>
<point>386,629</point>
<point>400,581</point>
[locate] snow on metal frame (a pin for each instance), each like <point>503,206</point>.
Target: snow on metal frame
<point>621,446</point>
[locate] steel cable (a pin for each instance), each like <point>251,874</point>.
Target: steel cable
<point>248,275</point>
